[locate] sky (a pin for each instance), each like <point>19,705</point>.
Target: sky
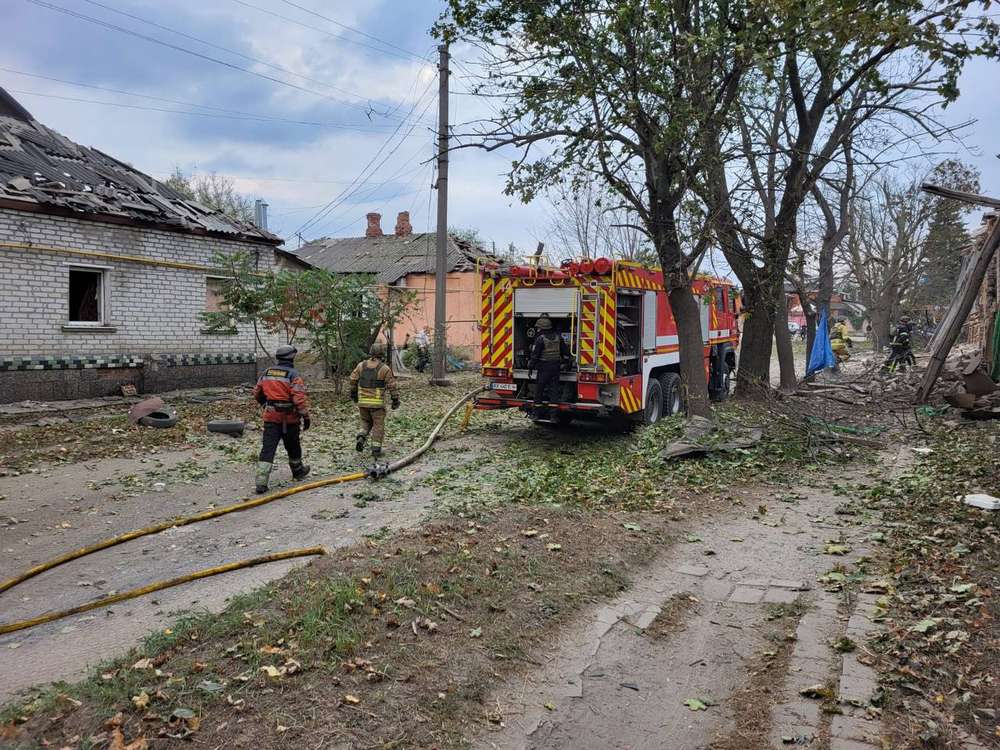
<point>326,118</point>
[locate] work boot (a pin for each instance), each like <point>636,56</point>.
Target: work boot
<point>263,475</point>
<point>360,444</point>
<point>299,469</point>
<point>376,452</point>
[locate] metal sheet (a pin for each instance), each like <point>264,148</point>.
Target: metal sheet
<point>551,300</point>
<point>649,320</point>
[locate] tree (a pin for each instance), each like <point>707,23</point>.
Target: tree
<point>338,316</point>
<point>834,71</point>
<point>946,236</point>
<point>214,191</point>
<point>630,93</point>
<point>888,243</point>
<point>591,222</point>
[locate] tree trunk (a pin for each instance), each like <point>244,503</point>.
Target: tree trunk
<point>783,345</point>
<point>687,315</point>
<point>754,373</point>
<point>880,314</point>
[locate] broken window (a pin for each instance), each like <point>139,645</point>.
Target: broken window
<point>86,295</point>
<point>215,291</point>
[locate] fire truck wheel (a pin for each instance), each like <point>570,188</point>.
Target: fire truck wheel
<point>670,384</point>
<point>654,402</point>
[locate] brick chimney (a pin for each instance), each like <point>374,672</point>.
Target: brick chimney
<point>403,226</point>
<point>374,225</point>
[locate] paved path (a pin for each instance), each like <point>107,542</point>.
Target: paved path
<point>608,684</point>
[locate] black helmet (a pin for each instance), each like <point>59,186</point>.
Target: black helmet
<point>287,351</point>
<point>543,324</point>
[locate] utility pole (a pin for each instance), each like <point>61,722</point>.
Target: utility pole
<point>441,262</point>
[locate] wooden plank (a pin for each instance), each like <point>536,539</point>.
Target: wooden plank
<point>958,311</point>
<point>960,195</point>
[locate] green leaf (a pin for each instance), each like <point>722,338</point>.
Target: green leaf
<point>926,624</point>
<point>695,704</point>
<point>632,526</point>
<point>476,633</point>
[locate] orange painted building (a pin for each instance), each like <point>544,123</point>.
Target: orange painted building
<point>407,260</point>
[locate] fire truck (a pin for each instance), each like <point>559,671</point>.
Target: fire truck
<point>616,321</point>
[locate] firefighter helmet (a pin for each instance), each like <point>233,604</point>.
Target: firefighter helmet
<point>544,324</point>
<point>377,350</point>
<point>287,351</point>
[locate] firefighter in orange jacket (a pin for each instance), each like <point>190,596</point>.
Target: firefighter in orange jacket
<point>370,382</point>
<point>282,393</point>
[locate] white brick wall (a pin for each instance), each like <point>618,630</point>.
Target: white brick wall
<point>153,309</point>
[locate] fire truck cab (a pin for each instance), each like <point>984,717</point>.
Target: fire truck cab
<point>616,321</point>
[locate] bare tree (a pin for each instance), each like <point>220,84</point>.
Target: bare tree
<point>592,223</point>
<point>885,249</point>
<point>213,190</point>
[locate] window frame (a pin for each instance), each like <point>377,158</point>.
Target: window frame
<point>103,301</point>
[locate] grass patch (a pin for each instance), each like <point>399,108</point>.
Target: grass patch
<point>400,638</point>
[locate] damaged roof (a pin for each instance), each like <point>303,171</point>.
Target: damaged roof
<point>43,170</point>
<point>390,257</point>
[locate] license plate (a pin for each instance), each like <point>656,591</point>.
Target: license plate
<point>504,387</point>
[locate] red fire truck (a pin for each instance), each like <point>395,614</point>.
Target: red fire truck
<point>616,321</point>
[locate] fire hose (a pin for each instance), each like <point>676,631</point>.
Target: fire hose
<point>246,504</point>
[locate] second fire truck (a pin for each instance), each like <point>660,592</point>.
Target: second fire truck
<point>616,321</point>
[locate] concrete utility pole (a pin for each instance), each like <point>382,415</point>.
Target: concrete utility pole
<point>441,262</point>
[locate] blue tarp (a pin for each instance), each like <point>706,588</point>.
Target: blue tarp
<point>822,355</point>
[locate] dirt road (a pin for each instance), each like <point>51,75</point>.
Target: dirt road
<point>71,506</point>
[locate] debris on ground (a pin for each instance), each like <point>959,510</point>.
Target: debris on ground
<point>145,408</point>
<point>702,436</point>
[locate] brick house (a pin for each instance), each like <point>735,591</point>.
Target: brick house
<point>104,271</point>
<point>407,260</point>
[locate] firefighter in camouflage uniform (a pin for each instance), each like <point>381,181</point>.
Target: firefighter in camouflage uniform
<point>371,381</point>
<point>282,393</point>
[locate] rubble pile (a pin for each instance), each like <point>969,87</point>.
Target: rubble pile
<point>968,387</point>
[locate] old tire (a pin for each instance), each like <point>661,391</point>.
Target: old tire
<point>231,427</point>
<point>159,419</point>
<point>670,385</point>
<point>654,402</point>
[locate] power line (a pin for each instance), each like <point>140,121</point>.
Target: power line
<point>339,38</point>
<point>245,115</point>
<point>346,192</point>
<point>335,22</point>
<point>41,3</point>
<point>373,191</point>
<point>123,105</point>
<point>213,45</point>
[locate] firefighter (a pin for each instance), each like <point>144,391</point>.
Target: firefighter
<point>282,393</point>
<point>840,342</point>
<point>548,352</point>
<point>370,382</point>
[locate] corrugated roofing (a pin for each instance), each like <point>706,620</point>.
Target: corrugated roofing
<point>46,170</point>
<point>390,257</point>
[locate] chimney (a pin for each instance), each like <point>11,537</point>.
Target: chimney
<point>374,225</point>
<point>403,226</point>
<point>260,213</point>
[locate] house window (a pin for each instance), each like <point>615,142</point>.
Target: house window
<point>215,290</point>
<point>86,296</point>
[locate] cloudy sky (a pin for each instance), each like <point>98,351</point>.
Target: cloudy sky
<point>326,118</point>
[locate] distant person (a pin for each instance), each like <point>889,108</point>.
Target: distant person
<point>423,342</point>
